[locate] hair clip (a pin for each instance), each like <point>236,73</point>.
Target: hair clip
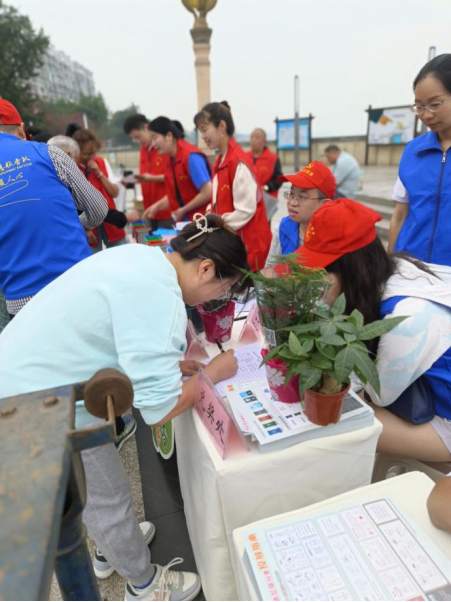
<point>201,223</point>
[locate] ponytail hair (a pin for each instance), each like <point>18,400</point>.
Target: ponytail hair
<point>215,112</point>
<point>207,237</point>
<point>164,125</point>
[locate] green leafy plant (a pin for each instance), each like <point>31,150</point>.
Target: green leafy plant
<point>325,351</point>
<point>287,296</point>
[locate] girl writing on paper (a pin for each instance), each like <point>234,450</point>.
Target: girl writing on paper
<point>103,322</point>
<point>235,195</point>
<point>188,178</point>
<point>342,238</point>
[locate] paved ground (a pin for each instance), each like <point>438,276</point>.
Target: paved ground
<point>113,588</point>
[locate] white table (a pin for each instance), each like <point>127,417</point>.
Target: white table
<point>409,492</point>
<point>222,495</point>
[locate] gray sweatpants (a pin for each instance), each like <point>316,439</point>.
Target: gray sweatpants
<point>109,516</point>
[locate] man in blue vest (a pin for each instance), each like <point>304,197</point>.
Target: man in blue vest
<point>310,187</point>
<point>41,193</point>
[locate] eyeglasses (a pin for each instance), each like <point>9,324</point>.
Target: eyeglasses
<point>300,196</point>
<point>431,107</point>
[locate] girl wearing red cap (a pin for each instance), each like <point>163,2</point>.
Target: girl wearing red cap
<point>235,192</point>
<point>415,357</point>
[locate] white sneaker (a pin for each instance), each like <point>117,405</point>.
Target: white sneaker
<point>167,585</point>
<point>103,569</point>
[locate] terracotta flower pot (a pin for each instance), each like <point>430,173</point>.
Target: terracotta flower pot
<point>218,324</point>
<point>323,409</point>
<point>276,370</point>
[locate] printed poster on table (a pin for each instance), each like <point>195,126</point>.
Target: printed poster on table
<point>391,126</point>
<point>366,551</point>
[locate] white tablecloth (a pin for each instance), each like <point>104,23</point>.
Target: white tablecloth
<point>222,495</point>
<point>409,492</point>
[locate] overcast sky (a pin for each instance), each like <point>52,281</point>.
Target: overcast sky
<point>348,54</point>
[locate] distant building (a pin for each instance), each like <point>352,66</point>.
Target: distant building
<point>62,78</point>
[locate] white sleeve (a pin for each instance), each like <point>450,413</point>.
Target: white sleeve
<point>244,190</point>
<point>276,249</point>
<point>410,349</point>
<point>399,193</point>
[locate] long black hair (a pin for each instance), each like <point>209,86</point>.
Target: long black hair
<point>440,68</point>
<point>223,246</point>
<point>363,275</point>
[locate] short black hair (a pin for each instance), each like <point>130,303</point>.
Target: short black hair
<point>332,148</point>
<point>135,122</point>
<point>440,68</point>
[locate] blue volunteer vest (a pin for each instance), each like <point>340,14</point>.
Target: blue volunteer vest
<point>40,233</point>
<point>438,375</point>
<point>425,171</point>
<point>289,235</point>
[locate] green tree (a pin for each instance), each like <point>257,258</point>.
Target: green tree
<point>22,51</point>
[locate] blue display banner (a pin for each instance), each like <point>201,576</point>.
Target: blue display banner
<point>285,133</point>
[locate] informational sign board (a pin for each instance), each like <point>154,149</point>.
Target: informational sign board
<point>392,125</point>
<point>285,133</point>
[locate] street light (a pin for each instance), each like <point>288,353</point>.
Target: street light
<point>296,123</point>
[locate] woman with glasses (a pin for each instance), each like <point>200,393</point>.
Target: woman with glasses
<point>310,187</point>
<point>422,214</point>
<point>235,192</point>
<point>125,308</point>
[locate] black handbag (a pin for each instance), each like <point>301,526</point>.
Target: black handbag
<point>416,403</point>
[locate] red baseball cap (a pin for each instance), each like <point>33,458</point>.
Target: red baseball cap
<point>314,175</point>
<point>9,115</point>
<point>337,228</point>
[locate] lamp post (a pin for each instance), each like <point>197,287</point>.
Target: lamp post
<point>201,35</point>
<point>296,123</point>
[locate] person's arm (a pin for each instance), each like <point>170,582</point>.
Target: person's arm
<point>148,177</point>
<point>397,219</point>
<point>275,183</point>
<point>221,367</point>
<point>244,190</point>
<point>199,173</point>
<point>160,205</point>
<point>201,199</point>
<point>111,188</point>
<point>439,504</point>
<point>276,249</point>
<point>88,200</point>
<point>399,214</point>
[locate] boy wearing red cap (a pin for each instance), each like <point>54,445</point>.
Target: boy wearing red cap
<point>414,359</point>
<point>310,187</point>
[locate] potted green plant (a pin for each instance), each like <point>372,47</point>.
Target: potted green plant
<point>286,295</point>
<point>325,352</point>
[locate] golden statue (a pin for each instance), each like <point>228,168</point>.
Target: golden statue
<point>199,8</point>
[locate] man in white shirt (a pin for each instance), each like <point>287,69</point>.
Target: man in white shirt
<point>345,169</point>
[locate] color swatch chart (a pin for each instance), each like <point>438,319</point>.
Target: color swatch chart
<point>361,552</point>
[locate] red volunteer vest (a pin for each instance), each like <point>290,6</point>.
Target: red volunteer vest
<point>256,234</point>
<point>177,174</point>
<point>264,167</point>
<point>113,232</point>
<point>150,161</point>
